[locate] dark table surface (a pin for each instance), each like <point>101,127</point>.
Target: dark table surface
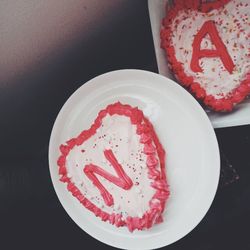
<point>31,97</point>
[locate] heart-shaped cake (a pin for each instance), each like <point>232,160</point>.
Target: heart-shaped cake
<point>116,168</point>
<point>208,49</point>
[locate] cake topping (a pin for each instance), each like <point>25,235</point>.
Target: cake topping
<point>122,181</point>
<point>220,51</point>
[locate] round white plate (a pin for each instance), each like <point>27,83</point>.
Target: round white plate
<point>193,161</point>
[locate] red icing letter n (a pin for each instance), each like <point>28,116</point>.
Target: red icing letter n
<point>220,51</point>
<point>122,180</point>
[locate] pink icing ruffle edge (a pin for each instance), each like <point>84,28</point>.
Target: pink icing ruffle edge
<point>148,137</point>
<point>223,104</point>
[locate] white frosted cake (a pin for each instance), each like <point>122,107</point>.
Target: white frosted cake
<point>208,48</point>
<point>116,169</point>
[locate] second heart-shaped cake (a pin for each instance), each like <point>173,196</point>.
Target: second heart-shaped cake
<point>208,49</point>
<point>116,168</point>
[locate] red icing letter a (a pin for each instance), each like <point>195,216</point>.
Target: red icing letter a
<point>220,51</point>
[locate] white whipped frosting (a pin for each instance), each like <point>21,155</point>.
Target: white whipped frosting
<point>215,79</point>
<point>118,134</point>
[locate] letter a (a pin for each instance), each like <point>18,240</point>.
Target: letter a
<point>220,51</point>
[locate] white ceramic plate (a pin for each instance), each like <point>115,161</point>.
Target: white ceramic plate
<point>241,115</point>
<point>193,162</point>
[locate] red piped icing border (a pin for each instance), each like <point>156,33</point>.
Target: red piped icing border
<point>223,104</point>
<point>154,151</point>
